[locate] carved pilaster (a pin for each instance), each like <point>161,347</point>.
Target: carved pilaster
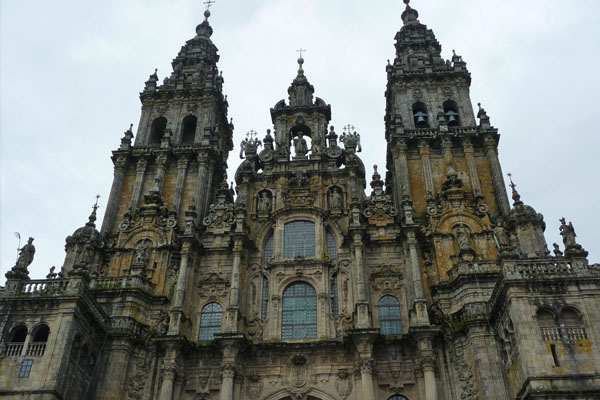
<point>468,150</point>
<point>424,151</point>
<point>497,178</point>
<point>140,171</point>
<point>182,163</point>
<point>401,172</point>
<point>112,206</point>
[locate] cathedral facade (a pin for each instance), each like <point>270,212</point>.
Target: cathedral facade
<point>307,279</point>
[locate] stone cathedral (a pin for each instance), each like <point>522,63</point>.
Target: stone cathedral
<point>305,279</point>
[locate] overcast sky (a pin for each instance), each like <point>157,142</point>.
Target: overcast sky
<point>71,71</point>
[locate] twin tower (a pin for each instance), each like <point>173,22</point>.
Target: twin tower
<point>295,283</point>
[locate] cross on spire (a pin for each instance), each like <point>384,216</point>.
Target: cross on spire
<point>300,50</point>
<point>512,184</point>
<point>95,206</point>
<point>251,134</point>
<point>349,129</point>
<point>209,3</point>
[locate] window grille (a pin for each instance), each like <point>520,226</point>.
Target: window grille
<point>299,239</point>
<point>331,247</point>
<point>25,368</point>
<point>390,320</point>
<point>299,316</point>
<point>335,308</point>
<point>210,321</point>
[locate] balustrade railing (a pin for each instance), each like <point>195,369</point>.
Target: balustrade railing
<point>538,269</point>
<point>43,286</point>
<point>13,349</point>
<point>36,349</point>
<point>551,334</point>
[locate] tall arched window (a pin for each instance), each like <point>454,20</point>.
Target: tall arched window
<point>573,325</point>
<point>157,130</point>
<point>299,239</point>
<point>210,321</point>
<point>299,315</point>
<point>390,319</point>
<point>188,129</point>
<point>16,340</point>
<point>331,247</point>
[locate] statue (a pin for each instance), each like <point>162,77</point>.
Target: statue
<point>500,234</point>
<point>556,250</point>
<point>264,203</point>
<point>26,255</point>
<point>300,146</point>
<point>141,252</point>
<point>568,233</point>
<point>336,198</point>
<point>52,274</point>
<point>464,242</point>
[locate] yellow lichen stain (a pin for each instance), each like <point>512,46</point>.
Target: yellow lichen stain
<point>583,346</point>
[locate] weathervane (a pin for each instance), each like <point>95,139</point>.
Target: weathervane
<point>512,184</point>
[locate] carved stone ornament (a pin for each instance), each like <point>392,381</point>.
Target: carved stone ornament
<point>380,209</point>
<point>343,384</point>
<point>221,214</point>
<point>297,192</point>
<point>254,327</point>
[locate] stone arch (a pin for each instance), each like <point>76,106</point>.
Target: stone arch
<point>188,129</point>
<point>451,113</point>
<point>18,333</point>
<point>157,130</point>
<point>312,394</point>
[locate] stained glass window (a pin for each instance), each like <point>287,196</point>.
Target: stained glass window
<point>264,307</point>
<point>210,321</point>
<point>299,316</point>
<point>299,239</point>
<point>397,397</point>
<point>334,292</point>
<point>331,247</point>
<point>390,320</point>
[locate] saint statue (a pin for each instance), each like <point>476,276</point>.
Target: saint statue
<point>336,198</point>
<point>568,233</point>
<point>141,252</point>
<point>464,241</point>
<point>300,145</point>
<point>26,255</point>
<point>500,233</point>
<point>264,203</point>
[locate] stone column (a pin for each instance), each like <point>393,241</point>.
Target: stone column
<point>112,206</point>
<point>424,150</point>
<point>497,178</point>
<point>201,189</point>
<point>430,383</point>
<point>227,382</point>
<point>166,386</point>
<point>179,295</point>
<point>182,163</point>
<point>401,172</point>
<point>414,263</point>
<point>234,293</point>
<point>140,171</point>
<point>362,303</point>
<point>366,377</point>
<point>113,383</point>
<point>468,149</point>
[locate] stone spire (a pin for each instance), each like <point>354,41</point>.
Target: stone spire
<point>301,91</point>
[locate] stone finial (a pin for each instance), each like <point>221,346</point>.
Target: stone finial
<point>515,195</point>
<point>127,137</point>
<point>484,120</point>
<point>410,15</point>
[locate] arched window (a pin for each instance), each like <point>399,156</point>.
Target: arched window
<point>16,340</point>
<point>548,324</point>
<point>390,319</point>
<point>188,129</point>
<point>299,316</point>
<point>420,116</point>
<point>451,113</point>
<point>157,130</point>
<point>18,334</point>
<point>335,307</point>
<point>398,397</point>
<point>37,347</point>
<point>299,239</point>
<point>574,327</point>
<point>331,247</point>
<point>210,321</point>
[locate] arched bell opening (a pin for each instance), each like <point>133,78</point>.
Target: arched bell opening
<point>157,130</point>
<point>420,115</point>
<point>188,129</point>
<point>451,113</point>
<point>301,140</point>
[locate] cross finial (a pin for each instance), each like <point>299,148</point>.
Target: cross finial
<point>209,3</point>
<point>349,129</point>
<point>512,184</point>
<point>251,134</point>
<point>300,50</point>
<point>95,207</point>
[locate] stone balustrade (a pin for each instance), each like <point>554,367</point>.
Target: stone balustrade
<point>531,269</point>
<point>36,349</point>
<point>43,286</point>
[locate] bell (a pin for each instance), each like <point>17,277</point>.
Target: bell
<point>420,118</point>
<point>451,117</point>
